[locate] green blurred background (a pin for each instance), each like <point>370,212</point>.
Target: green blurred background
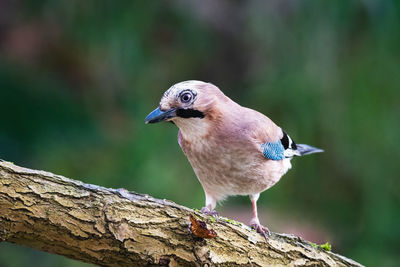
<point>77,79</point>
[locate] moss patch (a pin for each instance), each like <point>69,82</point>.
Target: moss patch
<point>325,246</point>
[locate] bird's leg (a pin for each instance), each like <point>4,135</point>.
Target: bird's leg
<point>255,222</point>
<point>211,202</point>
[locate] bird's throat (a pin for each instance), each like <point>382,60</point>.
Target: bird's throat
<point>192,129</point>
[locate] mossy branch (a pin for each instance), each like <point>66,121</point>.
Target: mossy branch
<point>110,227</point>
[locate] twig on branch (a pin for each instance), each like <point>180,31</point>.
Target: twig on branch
<point>110,227</point>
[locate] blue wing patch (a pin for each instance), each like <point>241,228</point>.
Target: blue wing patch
<point>274,151</point>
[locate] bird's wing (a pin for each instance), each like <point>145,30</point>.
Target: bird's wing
<point>250,126</point>
<point>274,143</point>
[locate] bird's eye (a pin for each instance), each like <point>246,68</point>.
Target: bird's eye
<point>186,97</point>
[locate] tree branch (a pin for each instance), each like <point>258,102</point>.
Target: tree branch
<point>110,227</point>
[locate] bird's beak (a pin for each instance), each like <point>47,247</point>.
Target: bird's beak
<point>158,115</point>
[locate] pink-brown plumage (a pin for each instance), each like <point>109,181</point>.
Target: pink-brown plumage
<point>226,152</point>
<point>223,142</point>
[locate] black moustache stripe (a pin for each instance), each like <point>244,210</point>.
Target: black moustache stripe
<point>189,113</point>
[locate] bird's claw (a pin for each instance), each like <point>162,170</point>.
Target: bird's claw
<point>207,211</point>
<point>264,231</point>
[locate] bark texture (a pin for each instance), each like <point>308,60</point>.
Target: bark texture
<point>111,227</point>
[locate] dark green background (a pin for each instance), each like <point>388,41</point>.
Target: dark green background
<point>77,79</point>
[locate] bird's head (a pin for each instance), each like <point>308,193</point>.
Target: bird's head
<point>188,104</point>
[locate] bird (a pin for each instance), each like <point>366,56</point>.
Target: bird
<point>232,149</point>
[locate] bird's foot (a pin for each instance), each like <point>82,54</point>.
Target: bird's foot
<point>264,231</point>
<point>207,211</point>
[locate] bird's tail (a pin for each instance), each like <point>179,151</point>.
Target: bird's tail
<point>306,149</point>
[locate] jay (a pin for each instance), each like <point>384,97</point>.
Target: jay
<point>233,150</point>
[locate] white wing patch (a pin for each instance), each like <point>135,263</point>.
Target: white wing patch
<point>290,146</point>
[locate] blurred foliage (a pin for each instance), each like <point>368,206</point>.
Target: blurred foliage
<point>77,79</point>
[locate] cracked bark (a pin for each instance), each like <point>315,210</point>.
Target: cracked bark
<point>111,227</point>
